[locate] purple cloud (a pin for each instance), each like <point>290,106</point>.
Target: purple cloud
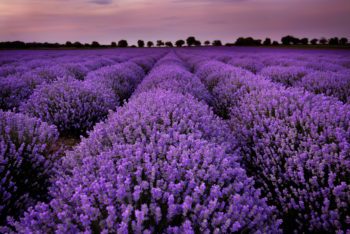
<point>102,2</point>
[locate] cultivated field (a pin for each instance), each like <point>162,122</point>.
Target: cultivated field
<point>187,140</point>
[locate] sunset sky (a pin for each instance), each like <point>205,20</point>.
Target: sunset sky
<point>112,20</point>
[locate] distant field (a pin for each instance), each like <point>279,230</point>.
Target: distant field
<point>156,140</point>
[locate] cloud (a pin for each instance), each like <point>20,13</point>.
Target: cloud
<point>102,2</point>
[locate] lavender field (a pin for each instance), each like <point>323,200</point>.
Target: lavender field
<point>186,140</point>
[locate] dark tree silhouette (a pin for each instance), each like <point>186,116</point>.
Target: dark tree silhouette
<point>267,42</point>
<point>141,43</point>
<point>191,41</point>
<point>343,41</point>
<point>95,44</point>
<point>133,46</point>
<point>13,45</point>
<point>150,44</point>
<point>77,44</point>
<point>160,43</point>
<point>123,43</point>
<point>287,40</point>
<point>69,44</point>
<point>169,44</point>
<point>197,43</point>
<point>333,41</point>
<point>242,41</point>
<point>304,41</point>
<point>249,41</point>
<point>295,41</point>
<point>179,43</point>
<point>314,41</point>
<point>217,43</point>
<point>323,41</point>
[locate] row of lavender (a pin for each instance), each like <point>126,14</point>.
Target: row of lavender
<point>57,107</point>
<point>164,162</point>
<point>22,72</point>
<point>294,143</point>
<point>318,72</point>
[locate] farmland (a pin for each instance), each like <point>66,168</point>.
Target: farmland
<point>185,140</point>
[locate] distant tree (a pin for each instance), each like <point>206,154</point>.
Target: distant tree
<point>191,41</point>
<point>150,44</point>
<point>77,44</point>
<point>217,43</point>
<point>69,44</point>
<point>314,41</point>
<point>241,41</point>
<point>197,43</point>
<point>229,44</point>
<point>141,43</point>
<point>179,43</point>
<point>323,41</point>
<point>296,41</point>
<point>343,41</point>
<point>275,43</point>
<point>133,46</point>
<point>304,41</point>
<point>95,44</point>
<point>249,41</point>
<point>169,44</point>
<point>287,40</point>
<point>123,43</point>
<point>257,42</point>
<point>333,41</point>
<point>13,45</point>
<point>113,44</point>
<point>207,43</point>
<point>267,42</point>
<point>160,43</point>
<point>87,45</point>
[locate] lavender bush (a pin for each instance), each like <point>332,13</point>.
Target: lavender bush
<point>285,75</point>
<point>13,91</point>
<point>73,106</point>
<point>156,111</point>
<point>121,78</point>
<point>78,71</point>
<point>146,62</point>
<point>176,78</point>
<point>249,64</point>
<point>157,174</point>
<point>296,145</point>
<point>26,160</point>
<point>336,84</point>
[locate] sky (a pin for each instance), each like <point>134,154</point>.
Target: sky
<point>169,20</point>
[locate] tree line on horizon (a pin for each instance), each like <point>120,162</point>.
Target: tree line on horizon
<point>190,41</point>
